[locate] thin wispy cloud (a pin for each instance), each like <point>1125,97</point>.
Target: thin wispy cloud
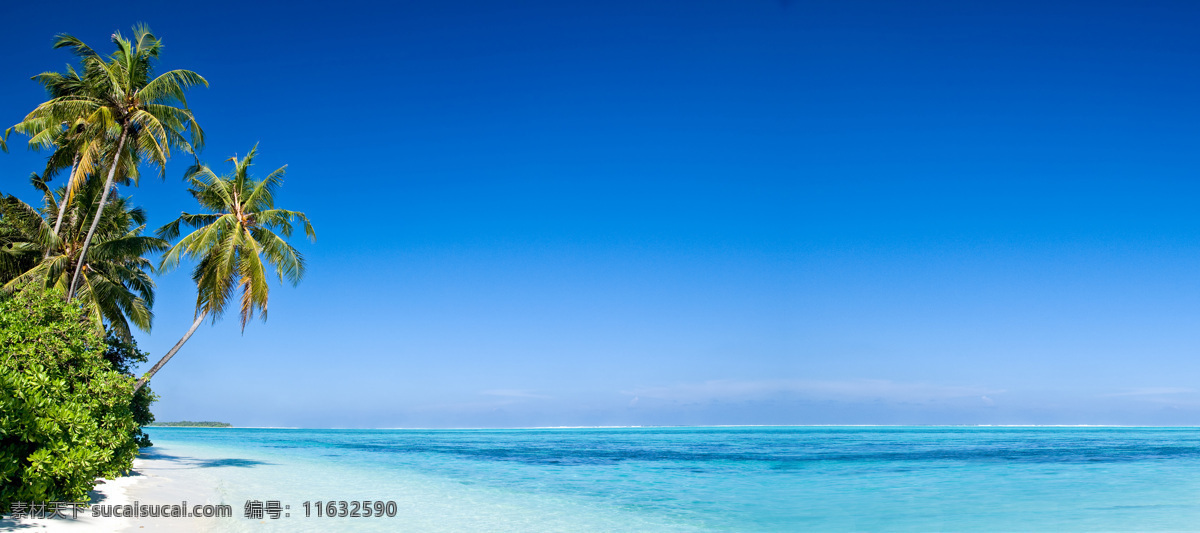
<point>1154,391</point>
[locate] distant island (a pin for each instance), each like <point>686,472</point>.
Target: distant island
<point>190,424</point>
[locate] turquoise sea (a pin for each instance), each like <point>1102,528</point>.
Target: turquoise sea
<point>711,478</point>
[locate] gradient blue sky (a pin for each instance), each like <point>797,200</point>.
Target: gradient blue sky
<point>688,212</point>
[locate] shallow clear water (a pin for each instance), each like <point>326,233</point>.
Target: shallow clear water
<point>726,478</point>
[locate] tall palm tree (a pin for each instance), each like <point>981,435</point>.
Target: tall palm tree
<point>116,287</point>
<point>230,242</point>
<point>64,137</point>
<point>74,144</point>
<point>126,104</point>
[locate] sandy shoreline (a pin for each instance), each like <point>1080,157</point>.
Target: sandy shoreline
<point>109,492</point>
<point>156,478</point>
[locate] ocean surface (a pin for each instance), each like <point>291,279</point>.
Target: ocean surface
<point>708,478</point>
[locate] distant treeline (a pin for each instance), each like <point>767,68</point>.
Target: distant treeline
<point>190,424</point>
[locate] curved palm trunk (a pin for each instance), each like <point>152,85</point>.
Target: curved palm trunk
<point>62,203</point>
<point>99,210</point>
<point>141,382</point>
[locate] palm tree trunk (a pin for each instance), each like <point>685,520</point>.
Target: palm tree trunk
<point>141,382</point>
<point>62,202</point>
<point>99,210</point>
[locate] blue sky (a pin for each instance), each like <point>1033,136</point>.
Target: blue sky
<point>687,212</point>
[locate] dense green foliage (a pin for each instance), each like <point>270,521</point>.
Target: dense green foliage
<point>190,424</point>
<point>65,411</point>
<point>122,354</point>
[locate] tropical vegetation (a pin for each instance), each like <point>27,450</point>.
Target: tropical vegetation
<point>66,415</point>
<point>116,287</point>
<point>77,269</point>
<point>115,114</point>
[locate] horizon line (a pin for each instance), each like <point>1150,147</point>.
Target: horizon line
<point>691,426</point>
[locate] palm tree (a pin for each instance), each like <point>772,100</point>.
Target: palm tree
<point>230,243</point>
<point>65,138</point>
<point>116,287</point>
<point>73,143</point>
<point>17,255</point>
<point>126,104</point>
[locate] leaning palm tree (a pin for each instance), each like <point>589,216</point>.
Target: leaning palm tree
<point>126,108</point>
<point>230,242</point>
<point>116,288</point>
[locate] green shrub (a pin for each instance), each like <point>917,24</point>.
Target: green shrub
<point>65,414</point>
<point>122,355</point>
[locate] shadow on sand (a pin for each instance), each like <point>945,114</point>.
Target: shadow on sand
<point>181,462</point>
<point>176,462</point>
<point>8,524</point>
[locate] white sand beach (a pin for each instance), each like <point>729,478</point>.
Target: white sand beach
<point>156,479</point>
<point>110,491</point>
